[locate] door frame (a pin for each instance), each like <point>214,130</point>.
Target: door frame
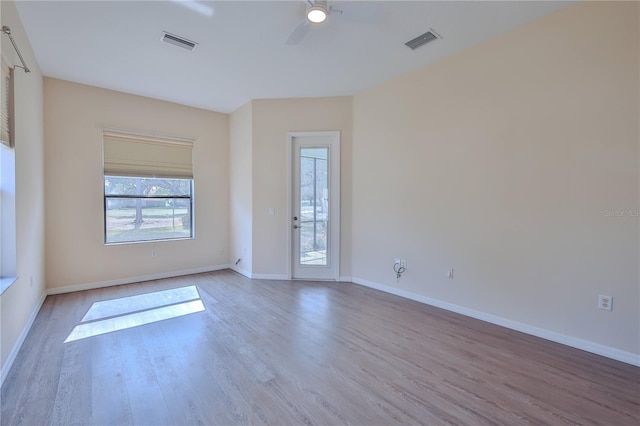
<point>334,209</point>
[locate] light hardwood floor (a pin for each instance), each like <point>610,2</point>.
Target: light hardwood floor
<point>279,352</point>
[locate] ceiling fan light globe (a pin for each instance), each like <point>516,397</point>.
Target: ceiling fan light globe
<point>317,14</point>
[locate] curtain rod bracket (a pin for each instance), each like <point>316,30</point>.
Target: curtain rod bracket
<point>24,66</point>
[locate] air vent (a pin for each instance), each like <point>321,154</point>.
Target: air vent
<point>423,39</point>
<point>178,41</point>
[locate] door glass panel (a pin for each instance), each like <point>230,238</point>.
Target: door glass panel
<point>314,206</point>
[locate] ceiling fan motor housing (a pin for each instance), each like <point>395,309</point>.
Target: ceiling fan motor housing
<point>317,12</point>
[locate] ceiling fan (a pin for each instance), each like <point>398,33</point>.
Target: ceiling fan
<point>318,11</point>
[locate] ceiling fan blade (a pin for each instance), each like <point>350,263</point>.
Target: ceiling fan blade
<point>359,11</point>
<point>298,33</point>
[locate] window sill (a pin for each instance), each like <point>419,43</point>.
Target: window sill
<point>6,282</point>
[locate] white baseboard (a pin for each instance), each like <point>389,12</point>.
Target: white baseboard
<point>278,277</point>
<point>130,280</point>
<point>241,271</point>
<point>585,345</point>
<point>270,276</point>
<point>23,335</point>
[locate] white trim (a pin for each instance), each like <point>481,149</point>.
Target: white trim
<point>585,345</point>
<point>6,282</point>
<point>335,185</point>
<point>278,277</point>
<point>131,280</point>
<point>253,276</point>
<point>289,204</point>
<point>23,335</point>
<point>345,279</point>
<point>241,271</point>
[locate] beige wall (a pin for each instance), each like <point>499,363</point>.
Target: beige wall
<point>74,116</point>
<point>502,163</point>
<point>20,301</point>
<point>272,120</point>
<point>240,189</point>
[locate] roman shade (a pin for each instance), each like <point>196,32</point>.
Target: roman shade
<point>147,156</point>
<point>5,108</point>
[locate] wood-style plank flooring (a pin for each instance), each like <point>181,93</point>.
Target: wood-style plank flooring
<point>285,353</point>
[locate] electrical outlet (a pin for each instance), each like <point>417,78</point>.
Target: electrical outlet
<point>221,251</point>
<point>605,303</point>
<point>450,273</point>
<point>154,253</point>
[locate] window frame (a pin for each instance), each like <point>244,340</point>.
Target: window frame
<point>190,197</point>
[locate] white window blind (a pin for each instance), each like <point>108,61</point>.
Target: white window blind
<point>147,156</point>
<point>6,136</point>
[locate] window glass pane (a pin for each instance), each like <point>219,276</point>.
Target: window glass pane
<point>314,206</point>
<point>118,185</point>
<point>137,219</point>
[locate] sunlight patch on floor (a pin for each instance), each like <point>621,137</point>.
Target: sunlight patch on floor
<point>141,302</point>
<point>128,312</point>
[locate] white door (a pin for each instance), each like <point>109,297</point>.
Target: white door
<point>315,205</point>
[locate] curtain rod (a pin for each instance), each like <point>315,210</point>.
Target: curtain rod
<point>7,31</point>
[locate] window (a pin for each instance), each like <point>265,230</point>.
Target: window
<point>146,209</point>
<point>148,188</point>
<point>8,264</point>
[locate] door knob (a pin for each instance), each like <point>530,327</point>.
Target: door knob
<point>295,218</point>
<point>296,226</point>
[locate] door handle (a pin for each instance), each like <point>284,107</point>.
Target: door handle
<point>296,226</point>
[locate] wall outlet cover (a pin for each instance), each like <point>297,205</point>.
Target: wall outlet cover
<point>605,303</point>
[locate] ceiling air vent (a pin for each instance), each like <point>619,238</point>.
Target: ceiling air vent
<point>423,39</point>
<point>178,41</point>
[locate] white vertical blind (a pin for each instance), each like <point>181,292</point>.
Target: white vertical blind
<point>5,108</point>
<point>147,156</point>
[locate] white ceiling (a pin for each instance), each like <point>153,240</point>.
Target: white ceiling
<point>241,53</point>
